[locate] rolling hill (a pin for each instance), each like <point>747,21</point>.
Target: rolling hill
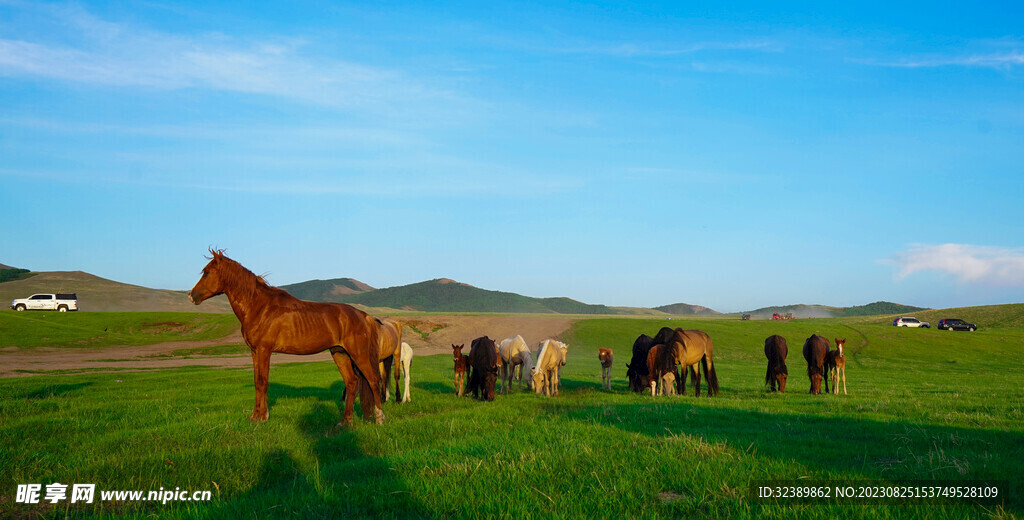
<point>327,290</point>
<point>686,309</point>
<point>444,295</point>
<point>100,294</point>
<point>824,311</point>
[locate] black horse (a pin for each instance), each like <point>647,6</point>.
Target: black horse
<point>483,359</point>
<point>775,350</point>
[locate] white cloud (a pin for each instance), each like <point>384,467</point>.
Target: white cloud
<point>98,52</point>
<point>969,264</point>
<point>1005,60</point>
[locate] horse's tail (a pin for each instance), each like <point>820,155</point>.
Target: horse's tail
<point>768,374</point>
<point>709,373</point>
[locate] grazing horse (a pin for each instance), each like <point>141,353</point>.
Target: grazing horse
<point>835,366</point>
<point>606,356</point>
<point>636,370</point>
<point>406,365</point>
<point>274,321</point>
<point>661,368</point>
<point>815,352</point>
<point>515,354</point>
<point>775,350</point>
<point>461,367</point>
<point>551,356</point>
<point>688,348</point>
<point>483,358</point>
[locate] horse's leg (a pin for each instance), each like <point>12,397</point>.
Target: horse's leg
<point>406,368</point>
<point>261,375</point>
<point>844,381</point>
<point>695,371</point>
<point>680,380</point>
<point>348,375</point>
<point>385,374</point>
<point>369,369</point>
<point>398,367</point>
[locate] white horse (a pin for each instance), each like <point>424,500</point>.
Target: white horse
<point>515,354</point>
<point>406,365</point>
<point>551,357</point>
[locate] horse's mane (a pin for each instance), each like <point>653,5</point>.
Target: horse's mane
<point>238,276</point>
<point>540,353</point>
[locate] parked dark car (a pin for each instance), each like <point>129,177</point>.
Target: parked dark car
<point>956,324</point>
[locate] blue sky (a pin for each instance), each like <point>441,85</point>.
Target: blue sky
<point>628,154</point>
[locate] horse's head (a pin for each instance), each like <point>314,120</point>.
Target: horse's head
<point>457,351</point>
<point>840,343</point>
<point>538,381</point>
<point>212,282</point>
<point>781,374</point>
<point>490,380</point>
<point>816,383</point>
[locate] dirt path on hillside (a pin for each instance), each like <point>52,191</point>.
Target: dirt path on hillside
<point>427,335</point>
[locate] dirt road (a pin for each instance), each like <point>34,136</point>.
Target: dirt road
<point>428,335</point>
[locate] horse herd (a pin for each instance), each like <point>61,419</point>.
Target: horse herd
<point>367,350</point>
<point>478,371</point>
<point>822,363</point>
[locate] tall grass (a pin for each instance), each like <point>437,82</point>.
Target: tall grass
<point>922,405</point>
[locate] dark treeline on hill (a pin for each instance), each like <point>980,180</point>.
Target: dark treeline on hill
<point>443,295</point>
<point>877,308</point>
<point>9,274</point>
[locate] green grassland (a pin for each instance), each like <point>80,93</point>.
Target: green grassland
<point>32,329</point>
<point>923,404</point>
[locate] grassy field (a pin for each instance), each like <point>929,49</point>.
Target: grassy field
<point>923,404</point>
<point>31,329</point>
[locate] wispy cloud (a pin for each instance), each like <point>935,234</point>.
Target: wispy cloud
<point>1001,61</point>
<point>98,52</point>
<point>645,49</point>
<point>986,265</point>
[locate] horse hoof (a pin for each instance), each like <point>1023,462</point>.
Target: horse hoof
<point>379,416</point>
<point>258,417</point>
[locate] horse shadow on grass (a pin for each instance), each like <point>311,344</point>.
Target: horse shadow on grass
<point>342,482</point>
<point>861,448</point>
<point>277,391</point>
<point>54,390</point>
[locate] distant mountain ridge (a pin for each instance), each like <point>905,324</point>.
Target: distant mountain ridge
<point>327,290</point>
<point>447,295</point>
<point>438,295</point>
<point>100,294</point>
<point>824,311</point>
<point>686,309</point>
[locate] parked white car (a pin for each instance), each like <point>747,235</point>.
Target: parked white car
<point>910,322</point>
<point>47,302</point>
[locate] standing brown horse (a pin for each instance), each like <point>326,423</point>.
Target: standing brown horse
<point>835,366</point>
<point>606,356</point>
<point>775,350</point>
<point>275,321</point>
<point>815,351</point>
<point>661,370</point>
<point>461,367</point>
<point>688,348</point>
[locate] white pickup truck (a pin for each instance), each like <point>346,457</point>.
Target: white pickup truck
<point>47,302</point>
